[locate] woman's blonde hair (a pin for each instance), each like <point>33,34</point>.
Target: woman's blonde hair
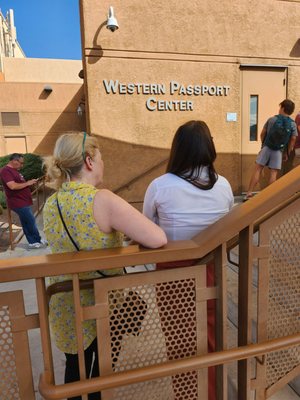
<point>69,154</point>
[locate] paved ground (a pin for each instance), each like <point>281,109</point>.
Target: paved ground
<point>28,288</point>
<point>21,249</point>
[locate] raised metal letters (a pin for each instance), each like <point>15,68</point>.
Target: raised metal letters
<point>175,88</point>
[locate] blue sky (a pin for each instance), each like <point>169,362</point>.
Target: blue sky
<point>47,28</point>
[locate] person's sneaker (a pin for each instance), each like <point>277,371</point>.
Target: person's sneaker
<point>36,245</point>
<point>44,242</point>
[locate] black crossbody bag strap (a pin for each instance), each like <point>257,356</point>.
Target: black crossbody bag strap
<point>65,226</point>
<point>70,237</point>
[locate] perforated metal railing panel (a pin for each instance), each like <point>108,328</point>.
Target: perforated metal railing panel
<point>284,295</point>
<point>15,364</point>
<point>9,388</point>
<point>145,347</point>
<point>150,321</point>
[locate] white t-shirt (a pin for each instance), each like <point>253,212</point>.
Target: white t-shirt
<point>183,210</point>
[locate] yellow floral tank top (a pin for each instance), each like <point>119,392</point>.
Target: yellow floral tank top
<point>76,204</point>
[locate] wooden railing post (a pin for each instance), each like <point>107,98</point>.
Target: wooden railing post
<point>221,318</point>
<point>42,300</point>
<point>44,190</point>
<point>11,238</point>
<point>78,327</point>
<point>37,196</point>
<point>244,308</point>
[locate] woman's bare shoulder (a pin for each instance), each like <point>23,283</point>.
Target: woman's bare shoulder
<point>104,193</point>
<point>107,197</point>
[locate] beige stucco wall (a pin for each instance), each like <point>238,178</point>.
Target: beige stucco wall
<point>294,84</point>
<point>112,115</point>
<point>239,28</point>
<point>126,119</point>
<point>41,70</point>
<point>43,116</point>
<point>192,43</point>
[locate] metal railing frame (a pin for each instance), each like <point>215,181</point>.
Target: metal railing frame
<point>241,221</point>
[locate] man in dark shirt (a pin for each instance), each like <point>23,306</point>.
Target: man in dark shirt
<point>19,198</point>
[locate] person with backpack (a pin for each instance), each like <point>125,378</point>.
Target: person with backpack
<point>278,139</point>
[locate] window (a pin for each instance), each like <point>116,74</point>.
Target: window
<point>253,118</point>
<point>10,118</point>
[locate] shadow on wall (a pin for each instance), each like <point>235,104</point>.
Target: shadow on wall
<point>96,53</point>
<point>67,121</point>
<point>295,52</point>
<point>129,168</point>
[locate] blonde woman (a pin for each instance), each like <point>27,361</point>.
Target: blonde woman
<point>81,216</point>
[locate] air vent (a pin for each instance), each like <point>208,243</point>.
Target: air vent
<point>10,119</point>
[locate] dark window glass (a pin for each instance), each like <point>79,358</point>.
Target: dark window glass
<point>253,117</point>
<point>10,119</point>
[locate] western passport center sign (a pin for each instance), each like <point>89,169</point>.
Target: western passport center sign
<point>155,90</point>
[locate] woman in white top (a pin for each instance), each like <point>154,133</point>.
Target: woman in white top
<point>186,200</point>
<point>190,196</point>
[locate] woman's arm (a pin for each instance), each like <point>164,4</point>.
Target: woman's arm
<point>12,185</point>
<point>113,213</point>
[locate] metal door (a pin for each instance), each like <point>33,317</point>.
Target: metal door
<point>263,88</point>
<point>15,144</point>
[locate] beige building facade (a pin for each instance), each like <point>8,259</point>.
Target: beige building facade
<point>39,99</point>
<point>168,62</point>
<point>228,64</point>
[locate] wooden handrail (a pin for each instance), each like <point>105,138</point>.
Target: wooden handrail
<point>54,392</point>
<point>222,231</point>
<point>250,211</point>
<point>15,269</point>
<point>235,240</point>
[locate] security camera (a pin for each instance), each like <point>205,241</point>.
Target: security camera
<point>112,27</point>
<point>112,23</point>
